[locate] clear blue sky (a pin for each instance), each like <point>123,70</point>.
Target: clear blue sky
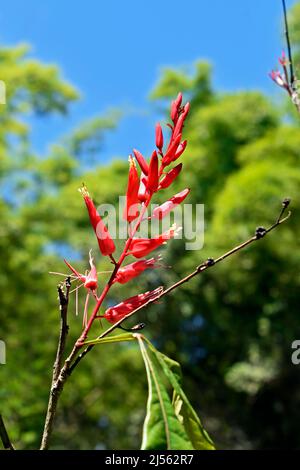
<point>113,51</point>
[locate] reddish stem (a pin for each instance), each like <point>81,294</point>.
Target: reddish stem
<point>118,264</point>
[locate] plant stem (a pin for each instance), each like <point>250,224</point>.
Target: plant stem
<point>288,43</point>
<point>54,393</point>
<point>4,436</point>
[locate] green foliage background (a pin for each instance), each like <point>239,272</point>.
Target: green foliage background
<point>231,328</point>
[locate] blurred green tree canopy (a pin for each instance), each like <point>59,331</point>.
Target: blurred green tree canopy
<point>231,328</point>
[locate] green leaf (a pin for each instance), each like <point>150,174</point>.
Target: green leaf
<point>162,429</point>
<point>183,409</point>
<point>111,339</point>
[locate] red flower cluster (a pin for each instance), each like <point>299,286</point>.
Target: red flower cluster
<point>140,190</point>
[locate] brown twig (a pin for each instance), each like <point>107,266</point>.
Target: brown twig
<point>64,328</point>
<point>260,233</point>
<point>4,436</point>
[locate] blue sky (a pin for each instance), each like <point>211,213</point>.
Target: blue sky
<point>113,52</point>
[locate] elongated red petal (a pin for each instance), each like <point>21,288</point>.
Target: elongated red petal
<point>105,242</point>
<point>141,247</point>
<point>133,270</point>
<point>168,179</point>
<point>131,210</point>
<point>170,153</point>
<point>143,193</point>
<point>161,211</point>
<point>152,182</point>
<point>180,149</point>
<point>159,138</point>
<point>116,313</point>
<point>91,281</point>
<point>141,161</point>
<point>175,107</point>
<point>79,276</point>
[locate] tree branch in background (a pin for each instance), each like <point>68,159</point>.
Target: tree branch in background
<point>4,436</point>
<point>287,80</point>
<point>64,328</point>
<point>288,45</point>
<point>260,233</point>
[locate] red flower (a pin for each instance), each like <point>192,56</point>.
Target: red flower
<point>105,242</point>
<point>141,247</point>
<point>179,124</point>
<point>170,153</point>
<point>133,270</point>
<point>152,181</point>
<point>143,193</point>
<point>168,179</point>
<point>175,107</point>
<point>180,149</point>
<point>161,211</point>
<point>141,161</point>
<point>131,210</point>
<point>159,137</point>
<point>116,313</point>
<point>90,280</point>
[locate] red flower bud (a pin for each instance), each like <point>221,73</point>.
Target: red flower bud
<point>143,193</point>
<point>141,247</point>
<point>179,124</point>
<point>180,149</point>
<point>159,137</point>
<point>168,179</point>
<point>133,270</point>
<point>152,182</point>
<point>175,107</point>
<point>161,211</point>
<point>116,313</point>
<point>141,161</point>
<point>170,153</point>
<point>105,242</point>
<point>131,210</point>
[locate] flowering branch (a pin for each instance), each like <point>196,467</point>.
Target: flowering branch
<point>4,436</point>
<point>260,233</point>
<point>140,191</point>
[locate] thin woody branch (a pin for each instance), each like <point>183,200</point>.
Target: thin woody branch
<point>288,44</point>
<point>64,328</point>
<point>260,233</point>
<point>4,436</point>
